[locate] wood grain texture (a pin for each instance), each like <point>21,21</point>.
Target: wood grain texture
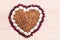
<point>50,29</point>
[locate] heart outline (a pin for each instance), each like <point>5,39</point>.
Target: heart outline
<point>40,23</point>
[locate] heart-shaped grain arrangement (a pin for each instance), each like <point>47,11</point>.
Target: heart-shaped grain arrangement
<point>26,19</point>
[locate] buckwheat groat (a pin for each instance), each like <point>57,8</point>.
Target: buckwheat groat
<point>26,20</point>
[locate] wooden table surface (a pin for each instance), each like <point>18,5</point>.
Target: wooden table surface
<point>50,29</point>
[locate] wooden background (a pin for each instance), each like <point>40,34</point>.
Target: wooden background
<point>50,29</point>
